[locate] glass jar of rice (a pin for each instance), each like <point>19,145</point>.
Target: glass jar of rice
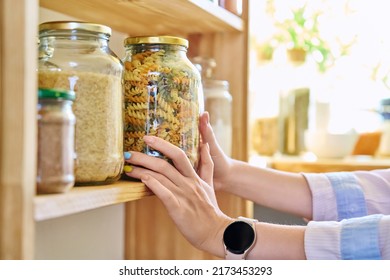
<point>75,56</point>
<point>162,95</point>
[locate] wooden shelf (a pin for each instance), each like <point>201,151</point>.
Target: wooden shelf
<point>87,198</point>
<point>296,164</point>
<point>152,17</point>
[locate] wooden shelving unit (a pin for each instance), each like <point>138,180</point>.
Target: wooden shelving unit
<point>212,31</point>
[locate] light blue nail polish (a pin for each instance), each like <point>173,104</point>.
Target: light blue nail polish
<point>127,155</point>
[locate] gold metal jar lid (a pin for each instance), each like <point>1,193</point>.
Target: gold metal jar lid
<point>74,25</point>
<point>168,40</point>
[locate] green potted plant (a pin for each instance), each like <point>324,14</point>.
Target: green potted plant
<point>301,36</point>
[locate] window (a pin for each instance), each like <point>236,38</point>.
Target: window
<point>347,62</point>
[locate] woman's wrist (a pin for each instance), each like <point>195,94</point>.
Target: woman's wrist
<point>226,181</point>
<point>214,245</point>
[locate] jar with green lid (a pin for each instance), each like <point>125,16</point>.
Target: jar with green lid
<point>76,56</point>
<point>55,141</point>
<point>162,95</point>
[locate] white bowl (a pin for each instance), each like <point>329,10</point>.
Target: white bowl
<point>330,145</point>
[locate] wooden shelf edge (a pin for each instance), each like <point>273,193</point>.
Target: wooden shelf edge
<point>81,199</point>
<point>140,18</point>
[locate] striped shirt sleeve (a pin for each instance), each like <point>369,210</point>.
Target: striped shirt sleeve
<point>343,195</point>
<point>351,213</point>
<point>362,238</point>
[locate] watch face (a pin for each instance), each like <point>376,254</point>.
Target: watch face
<point>238,237</point>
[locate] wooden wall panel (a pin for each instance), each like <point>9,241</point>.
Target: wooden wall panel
<point>152,234</point>
<point>17,127</point>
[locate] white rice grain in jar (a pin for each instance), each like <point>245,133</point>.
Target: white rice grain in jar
<point>163,95</point>
<point>76,56</point>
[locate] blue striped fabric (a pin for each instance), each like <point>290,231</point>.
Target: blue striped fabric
<point>349,195</point>
<point>359,238</point>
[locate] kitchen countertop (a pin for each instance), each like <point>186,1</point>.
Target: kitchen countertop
<point>309,163</point>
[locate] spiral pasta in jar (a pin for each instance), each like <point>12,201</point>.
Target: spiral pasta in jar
<point>162,95</point>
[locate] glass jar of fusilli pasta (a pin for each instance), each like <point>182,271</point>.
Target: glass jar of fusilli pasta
<point>162,95</point>
<point>76,56</point>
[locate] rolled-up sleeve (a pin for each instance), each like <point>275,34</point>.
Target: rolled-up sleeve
<point>363,238</point>
<point>351,215</point>
<point>343,195</point>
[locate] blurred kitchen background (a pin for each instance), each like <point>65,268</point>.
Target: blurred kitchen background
<point>319,82</point>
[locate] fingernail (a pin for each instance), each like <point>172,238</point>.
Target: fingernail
<point>127,168</point>
<point>148,139</point>
<point>127,155</point>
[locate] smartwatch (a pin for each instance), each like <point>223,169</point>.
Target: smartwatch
<point>239,238</point>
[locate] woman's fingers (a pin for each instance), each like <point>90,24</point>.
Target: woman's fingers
<point>153,163</point>
<point>137,172</point>
<point>165,189</point>
<point>207,134</point>
<point>173,152</point>
<point>161,191</point>
<point>206,165</point>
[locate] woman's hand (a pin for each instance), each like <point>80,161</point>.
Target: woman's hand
<point>222,163</point>
<point>188,197</point>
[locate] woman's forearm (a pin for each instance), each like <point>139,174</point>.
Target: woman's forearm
<point>272,244</point>
<point>283,191</point>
